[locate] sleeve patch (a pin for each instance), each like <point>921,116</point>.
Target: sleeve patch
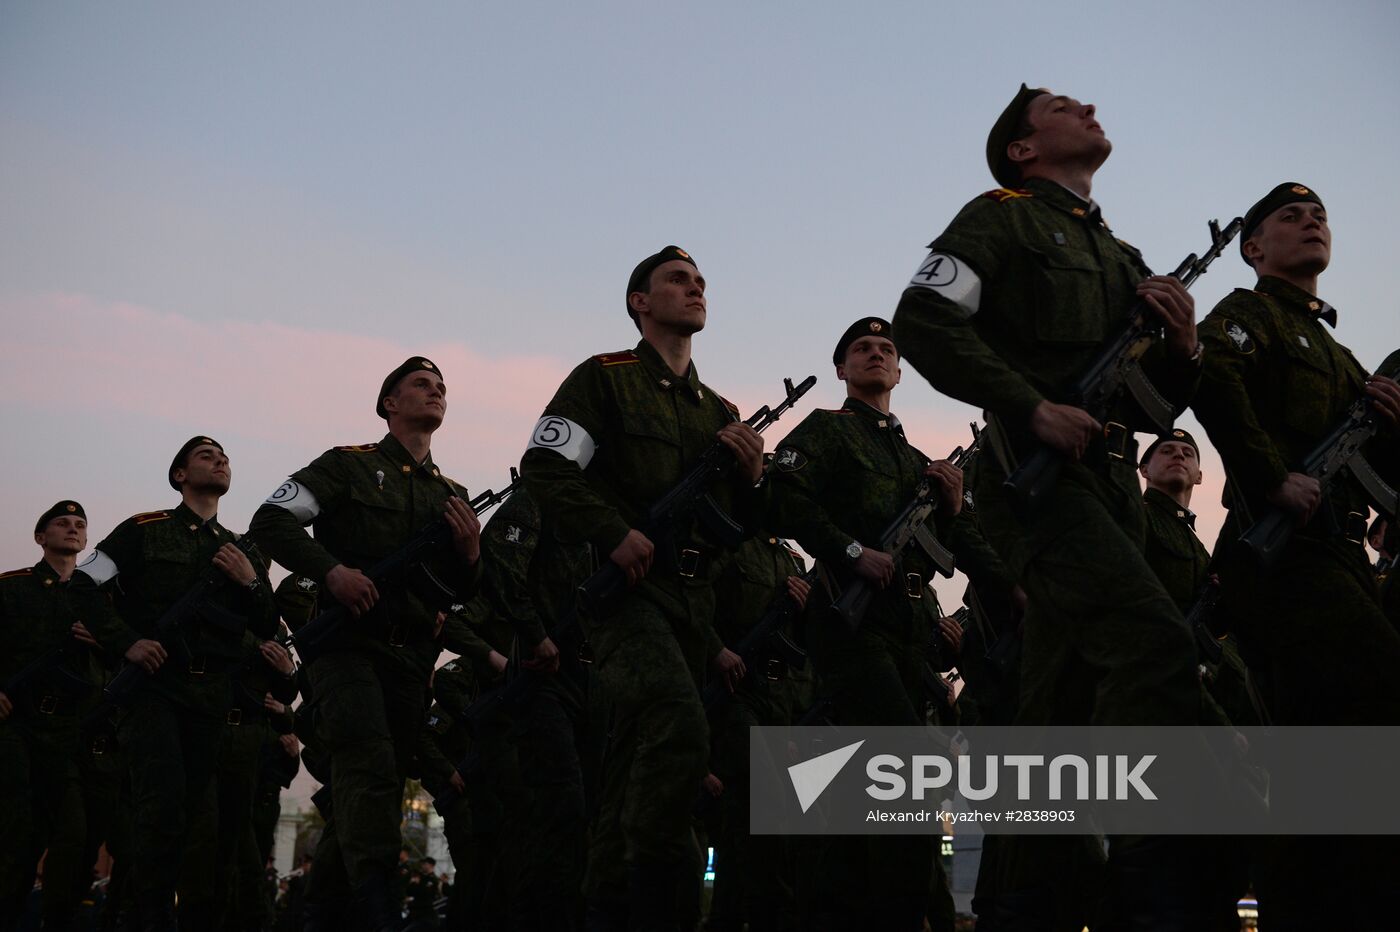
<point>99,567</point>
<point>789,459</point>
<point>564,437</point>
<point>1239,337</point>
<point>297,499</point>
<point>952,278</point>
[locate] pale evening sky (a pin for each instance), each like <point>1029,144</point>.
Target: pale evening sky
<point>235,219</point>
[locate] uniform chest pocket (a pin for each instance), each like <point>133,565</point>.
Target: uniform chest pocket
<point>651,427</point>
<point>879,462</point>
<point>170,545</point>
<point>1308,385</point>
<point>1069,296</point>
<point>377,521</point>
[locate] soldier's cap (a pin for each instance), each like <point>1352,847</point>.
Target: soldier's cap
<point>61,510</point>
<point>179,461</point>
<point>1004,134</point>
<point>866,326</point>
<point>1287,193</point>
<point>640,279</point>
<point>411,364</point>
<point>1175,435</point>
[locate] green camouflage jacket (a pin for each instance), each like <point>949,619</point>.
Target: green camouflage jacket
<point>1018,294</point>
<point>37,612</point>
<point>1275,383</point>
<point>363,503</point>
<point>146,564</point>
<point>1173,551</point>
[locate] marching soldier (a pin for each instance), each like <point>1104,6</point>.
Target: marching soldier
<point>171,731</point>
<point>1276,382</point>
<point>42,636</point>
<point>617,435</point>
<point>1011,304</point>
<point>838,479</point>
<point>365,502</point>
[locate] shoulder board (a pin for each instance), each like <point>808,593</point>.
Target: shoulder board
<point>618,359</point>
<point>150,517</point>
<point>13,574</point>
<point>836,410</point>
<point>1002,195</point>
<point>1129,246</point>
<point>733,408</point>
<point>359,448</point>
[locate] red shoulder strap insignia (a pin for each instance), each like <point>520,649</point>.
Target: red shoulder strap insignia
<point>1002,195</point>
<point>618,359</point>
<point>837,410</point>
<point>150,517</point>
<point>360,448</point>
<point>27,571</point>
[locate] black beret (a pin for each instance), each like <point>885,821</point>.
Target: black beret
<point>179,461</point>
<point>641,275</point>
<point>411,364</point>
<point>63,508</point>
<point>1287,193</point>
<point>1176,435</point>
<point>1004,133</point>
<point>861,328</point>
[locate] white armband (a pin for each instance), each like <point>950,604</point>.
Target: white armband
<point>297,499</point>
<point>951,278</point>
<point>99,567</point>
<point>564,437</point>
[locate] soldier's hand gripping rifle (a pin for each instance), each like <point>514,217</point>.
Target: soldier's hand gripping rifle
<point>690,497</point>
<point>1268,536</point>
<point>192,607</point>
<point>406,564</point>
<point>941,691</point>
<point>1115,369</point>
<point>767,640</point>
<point>1198,620</point>
<point>908,529</point>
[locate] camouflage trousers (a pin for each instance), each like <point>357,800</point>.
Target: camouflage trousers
<point>368,715</point>
<point>43,807</point>
<point>649,665</point>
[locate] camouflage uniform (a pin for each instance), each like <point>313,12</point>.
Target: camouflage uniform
<point>171,732</point>
<point>617,435</point>
<point>1311,628</point>
<point>750,880</point>
<point>530,582</point>
<point>40,741</point>
<point>1276,382</point>
<point>838,477</point>
<point>365,502</point>
<point>1055,285</point>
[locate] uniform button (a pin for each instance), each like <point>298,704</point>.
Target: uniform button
<point>48,582</point>
<point>772,540</point>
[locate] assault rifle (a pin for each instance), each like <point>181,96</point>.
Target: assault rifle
<point>194,606</point>
<point>767,641</point>
<point>1198,620</point>
<point>1340,451</point>
<point>908,528</point>
<point>690,497</point>
<point>936,685</point>
<point>1116,368</point>
<point>39,667</point>
<point>397,570</point>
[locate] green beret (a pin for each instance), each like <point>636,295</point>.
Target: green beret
<point>640,279</point>
<point>1177,435</point>
<point>861,328</point>
<point>411,364</point>
<point>179,461</point>
<point>60,510</point>
<point>1004,134</point>
<point>1287,193</point>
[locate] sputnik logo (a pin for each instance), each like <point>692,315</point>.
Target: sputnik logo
<point>811,777</point>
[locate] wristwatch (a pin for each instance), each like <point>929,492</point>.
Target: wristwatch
<point>854,550</point>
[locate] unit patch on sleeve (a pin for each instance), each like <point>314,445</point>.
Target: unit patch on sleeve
<point>1238,337</point>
